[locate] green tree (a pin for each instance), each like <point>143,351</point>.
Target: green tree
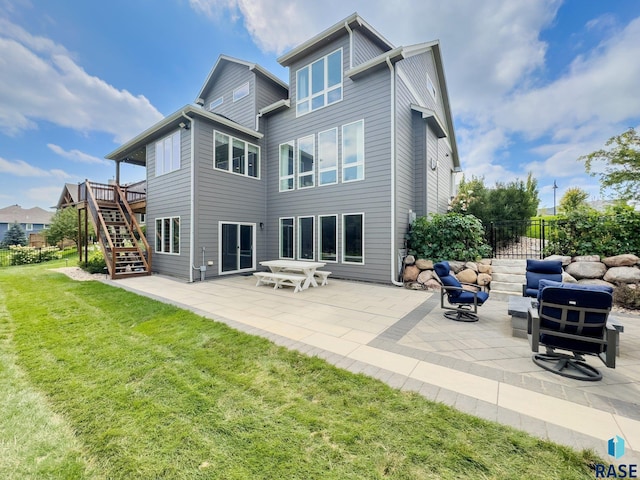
<point>574,199</point>
<point>14,236</point>
<point>64,225</point>
<point>622,165</point>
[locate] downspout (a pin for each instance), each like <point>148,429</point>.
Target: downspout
<point>348,28</point>
<point>393,175</point>
<point>192,208</point>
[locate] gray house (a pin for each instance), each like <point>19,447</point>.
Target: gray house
<point>329,167</point>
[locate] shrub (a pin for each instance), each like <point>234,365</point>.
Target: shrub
<point>448,237</point>
<point>28,255</point>
<point>95,263</point>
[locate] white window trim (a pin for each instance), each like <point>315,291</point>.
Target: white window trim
<point>312,172</point>
<point>239,96</point>
<point>216,103</point>
<point>175,165</point>
<point>246,156</point>
<point>325,91</point>
<point>320,217</point>
<point>253,253</point>
<point>431,87</point>
<point>344,238</point>
<point>162,219</point>
<point>293,239</point>
<point>287,177</point>
<point>323,170</point>
<point>28,227</point>
<point>313,236</point>
<point>356,164</point>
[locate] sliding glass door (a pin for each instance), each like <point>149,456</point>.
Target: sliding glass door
<point>237,253</point>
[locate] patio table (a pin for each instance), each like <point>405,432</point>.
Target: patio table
<point>307,268</point>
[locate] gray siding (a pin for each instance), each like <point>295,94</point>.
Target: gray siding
<point>419,164</point>
<point>363,48</point>
<point>168,196</point>
<point>229,77</point>
<point>367,98</point>
<point>267,92</point>
<point>405,163</point>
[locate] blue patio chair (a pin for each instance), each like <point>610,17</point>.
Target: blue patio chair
<point>571,322</point>
<point>464,303</point>
<point>538,270</point>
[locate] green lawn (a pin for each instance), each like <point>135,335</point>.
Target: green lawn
<point>102,383</point>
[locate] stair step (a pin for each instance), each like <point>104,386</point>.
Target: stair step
<point>509,262</point>
<point>508,277</point>
<point>516,288</point>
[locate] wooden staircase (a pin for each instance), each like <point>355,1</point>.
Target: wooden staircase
<point>123,242</point>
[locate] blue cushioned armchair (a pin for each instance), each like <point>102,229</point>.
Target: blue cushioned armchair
<point>464,302</point>
<point>571,321</point>
<point>538,270</point>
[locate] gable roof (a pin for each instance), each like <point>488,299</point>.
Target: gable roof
<point>15,213</point>
<point>254,67</point>
<point>354,21</point>
<point>69,195</point>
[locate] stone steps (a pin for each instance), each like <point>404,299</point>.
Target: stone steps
<point>508,276</point>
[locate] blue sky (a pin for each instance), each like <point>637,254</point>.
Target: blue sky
<point>533,84</point>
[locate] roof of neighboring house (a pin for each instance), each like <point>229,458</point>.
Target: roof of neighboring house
<point>68,196</point>
<point>17,214</point>
<point>254,67</point>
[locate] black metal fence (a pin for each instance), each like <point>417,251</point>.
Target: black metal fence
<point>519,239</point>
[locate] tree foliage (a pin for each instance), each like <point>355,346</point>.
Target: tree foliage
<point>574,199</point>
<point>14,236</point>
<point>622,165</point>
<point>64,225</point>
<point>448,237</point>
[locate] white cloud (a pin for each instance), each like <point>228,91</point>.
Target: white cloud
<point>20,168</point>
<point>46,197</point>
<point>41,81</point>
<point>77,156</point>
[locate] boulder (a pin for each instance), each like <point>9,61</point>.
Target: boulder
<point>413,286</point>
<point>627,260</point>
<point>485,261</point>
<point>622,275</point>
<point>595,281</point>
<point>566,278</point>
<point>432,284</point>
<point>484,279</point>
<point>586,269</point>
<point>423,264</point>
<point>471,266</point>
<point>425,276</point>
<point>409,260</point>
<point>467,276</point>
<point>456,266</point>
<point>565,259</point>
<point>411,273</point>
<point>483,268</point>
<point>586,258</point>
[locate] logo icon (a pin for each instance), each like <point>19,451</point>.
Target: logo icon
<point>616,447</point>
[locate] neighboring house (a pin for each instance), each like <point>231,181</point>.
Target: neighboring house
<point>69,196</point>
<point>32,220</point>
<point>330,167</point>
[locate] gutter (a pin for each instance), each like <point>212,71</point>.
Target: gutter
<point>393,174</point>
<point>192,207</point>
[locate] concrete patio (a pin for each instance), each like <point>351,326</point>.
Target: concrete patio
<point>400,337</point>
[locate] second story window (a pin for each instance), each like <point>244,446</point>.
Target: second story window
<point>235,155</point>
<point>319,84</point>
<point>168,154</point>
<point>241,92</point>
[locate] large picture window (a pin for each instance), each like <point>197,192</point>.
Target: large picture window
<point>286,167</point>
<point>306,162</point>
<point>168,235</point>
<point>328,238</point>
<point>286,238</point>
<point>319,84</point>
<point>328,157</point>
<point>305,238</point>
<point>353,238</point>
<point>168,154</point>
<point>353,151</point>
<point>235,156</point>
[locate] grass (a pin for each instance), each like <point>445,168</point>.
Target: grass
<point>127,387</point>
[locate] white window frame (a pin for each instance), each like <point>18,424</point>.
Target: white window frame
<point>307,173</point>
<point>313,236</point>
<point>170,233</point>
<point>241,92</point>
<point>28,227</point>
<point>163,165</point>
<point>360,147</point>
<point>309,96</point>
<point>216,103</point>
<point>293,238</point>
<point>323,152</point>
<point>292,175</point>
<point>344,238</point>
<point>229,168</point>
<point>431,87</point>
<point>320,252</point>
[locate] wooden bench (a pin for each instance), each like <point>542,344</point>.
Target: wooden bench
<point>280,279</point>
<point>324,275</point>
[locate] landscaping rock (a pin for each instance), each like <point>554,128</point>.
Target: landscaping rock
<point>432,284</point>
<point>456,266</point>
<point>565,259</point>
<point>627,260</point>
<point>566,278</point>
<point>595,281</point>
<point>586,269</point>
<point>411,273</point>
<point>425,276</point>
<point>483,268</point>
<point>413,286</point>
<point>586,258</point>
<point>409,260</point>
<point>467,276</point>
<point>484,279</point>
<point>622,275</point>
<point>471,266</point>
<point>485,261</point>
<point>423,264</point>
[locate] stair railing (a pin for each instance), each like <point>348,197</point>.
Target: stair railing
<point>133,226</point>
<point>99,223</point>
